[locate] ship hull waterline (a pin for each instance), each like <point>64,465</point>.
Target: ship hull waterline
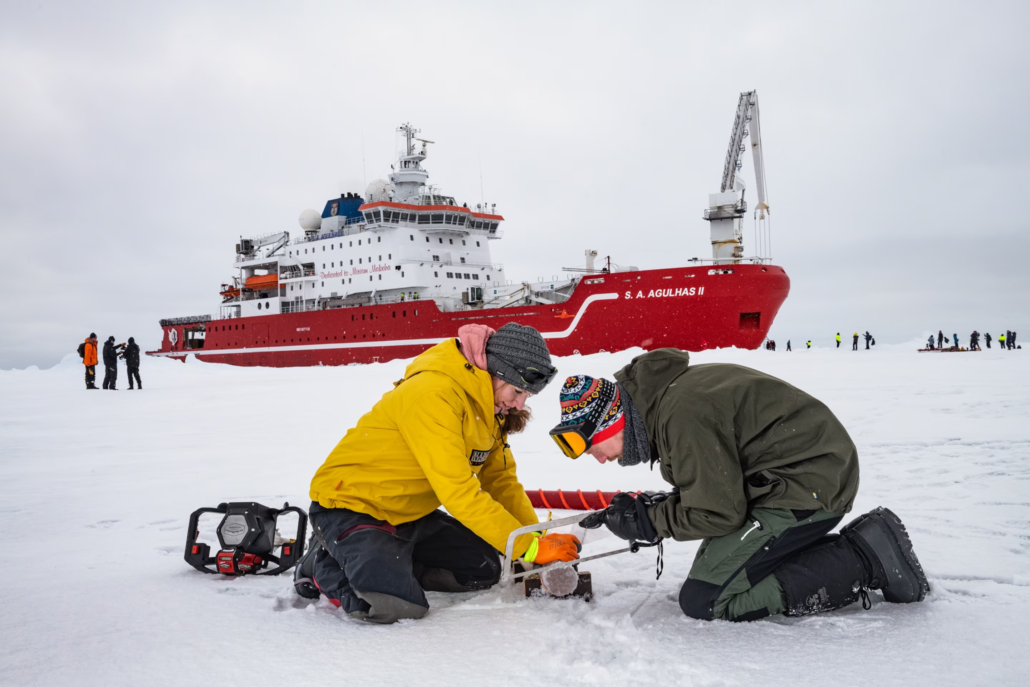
<point>692,308</point>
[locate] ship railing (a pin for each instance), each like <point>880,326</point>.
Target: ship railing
<point>749,260</point>
<point>296,274</point>
<point>495,266</point>
<point>352,226</point>
<point>297,306</point>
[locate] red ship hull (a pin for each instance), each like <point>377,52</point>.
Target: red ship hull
<point>692,308</point>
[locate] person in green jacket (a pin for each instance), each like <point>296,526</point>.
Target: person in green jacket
<point>761,471</point>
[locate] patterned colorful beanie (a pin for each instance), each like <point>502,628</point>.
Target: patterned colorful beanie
<point>583,397</point>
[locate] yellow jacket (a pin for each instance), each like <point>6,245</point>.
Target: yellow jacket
<point>432,440</point>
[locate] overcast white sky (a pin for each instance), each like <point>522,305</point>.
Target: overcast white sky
<point>138,141</point>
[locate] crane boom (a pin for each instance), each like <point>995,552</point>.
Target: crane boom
<point>726,208</point>
<point>757,156</point>
<point>737,134</point>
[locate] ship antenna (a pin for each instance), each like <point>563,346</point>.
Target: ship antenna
<point>482,196</point>
<point>364,174</point>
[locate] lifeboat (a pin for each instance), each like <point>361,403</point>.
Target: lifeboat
<point>263,282</point>
<point>229,292</point>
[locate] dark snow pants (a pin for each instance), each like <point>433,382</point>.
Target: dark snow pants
<point>134,372</point>
<point>731,578</point>
<point>378,572</point>
<point>110,376</point>
<point>91,375</point>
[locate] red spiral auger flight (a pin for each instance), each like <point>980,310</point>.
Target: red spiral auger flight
<point>559,499</point>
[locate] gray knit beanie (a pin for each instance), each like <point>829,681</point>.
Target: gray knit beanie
<point>515,345</point>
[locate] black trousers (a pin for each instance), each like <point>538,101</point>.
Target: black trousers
<point>854,345</point>
<point>110,376</point>
<point>91,375</point>
<point>380,572</point>
<point>134,372</point>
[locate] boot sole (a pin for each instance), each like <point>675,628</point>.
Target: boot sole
<point>886,535</point>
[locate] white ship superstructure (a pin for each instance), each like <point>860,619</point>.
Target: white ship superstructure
<point>404,241</point>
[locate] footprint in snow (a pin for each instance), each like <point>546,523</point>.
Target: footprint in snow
<point>103,524</point>
<point>293,602</point>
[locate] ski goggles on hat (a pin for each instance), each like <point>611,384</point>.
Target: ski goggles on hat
<point>531,375</point>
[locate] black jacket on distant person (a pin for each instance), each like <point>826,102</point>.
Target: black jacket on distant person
<point>110,354</point>
<point>131,355</point>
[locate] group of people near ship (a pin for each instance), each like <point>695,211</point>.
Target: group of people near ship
<point>770,345</point>
<point>1006,341</point>
<point>759,471</point>
<point>111,353</point>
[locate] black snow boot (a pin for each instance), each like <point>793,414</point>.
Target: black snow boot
<point>882,541</point>
<point>303,574</point>
<point>871,552</point>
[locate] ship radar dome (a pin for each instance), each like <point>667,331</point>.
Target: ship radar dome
<point>310,220</point>
<point>379,190</point>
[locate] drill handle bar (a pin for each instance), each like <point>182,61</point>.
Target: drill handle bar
<point>197,555</point>
<point>291,552</point>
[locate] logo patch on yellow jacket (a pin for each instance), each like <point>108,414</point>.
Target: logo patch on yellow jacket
<point>478,457</point>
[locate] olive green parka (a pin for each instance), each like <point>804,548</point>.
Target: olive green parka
<point>731,439</point>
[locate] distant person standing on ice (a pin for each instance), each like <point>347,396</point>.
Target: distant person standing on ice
<point>987,339</point>
<point>808,344</point>
<point>788,344</point>
<point>838,339</point>
<point>111,351</point>
<point>89,359</point>
<point>761,471</point>
<point>1008,339</point>
<point>1013,340</point>
<point>131,357</point>
<point>929,343</point>
<point>940,339</point>
<point>1001,341</point>
<point>854,342</point>
<point>868,338</point>
<point>439,437</point>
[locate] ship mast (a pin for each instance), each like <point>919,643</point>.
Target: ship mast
<point>408,179</point>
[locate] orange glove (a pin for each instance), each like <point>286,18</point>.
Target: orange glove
<point>553,547</point>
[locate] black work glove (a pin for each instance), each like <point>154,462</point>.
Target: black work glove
<point>627,518</point>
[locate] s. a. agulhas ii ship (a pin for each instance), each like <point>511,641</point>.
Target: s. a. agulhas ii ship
<point>392,273</point>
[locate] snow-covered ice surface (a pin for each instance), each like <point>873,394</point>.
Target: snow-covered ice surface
<point>96,489</point>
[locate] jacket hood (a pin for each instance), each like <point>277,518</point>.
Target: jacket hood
<point>647,378</point>
<point>446,358</point>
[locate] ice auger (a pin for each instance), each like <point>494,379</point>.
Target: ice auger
<point>248,538</point>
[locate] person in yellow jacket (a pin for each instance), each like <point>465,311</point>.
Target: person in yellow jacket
<point>439,437</point>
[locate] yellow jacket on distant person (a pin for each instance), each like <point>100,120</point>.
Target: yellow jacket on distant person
<point>432,440</point>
